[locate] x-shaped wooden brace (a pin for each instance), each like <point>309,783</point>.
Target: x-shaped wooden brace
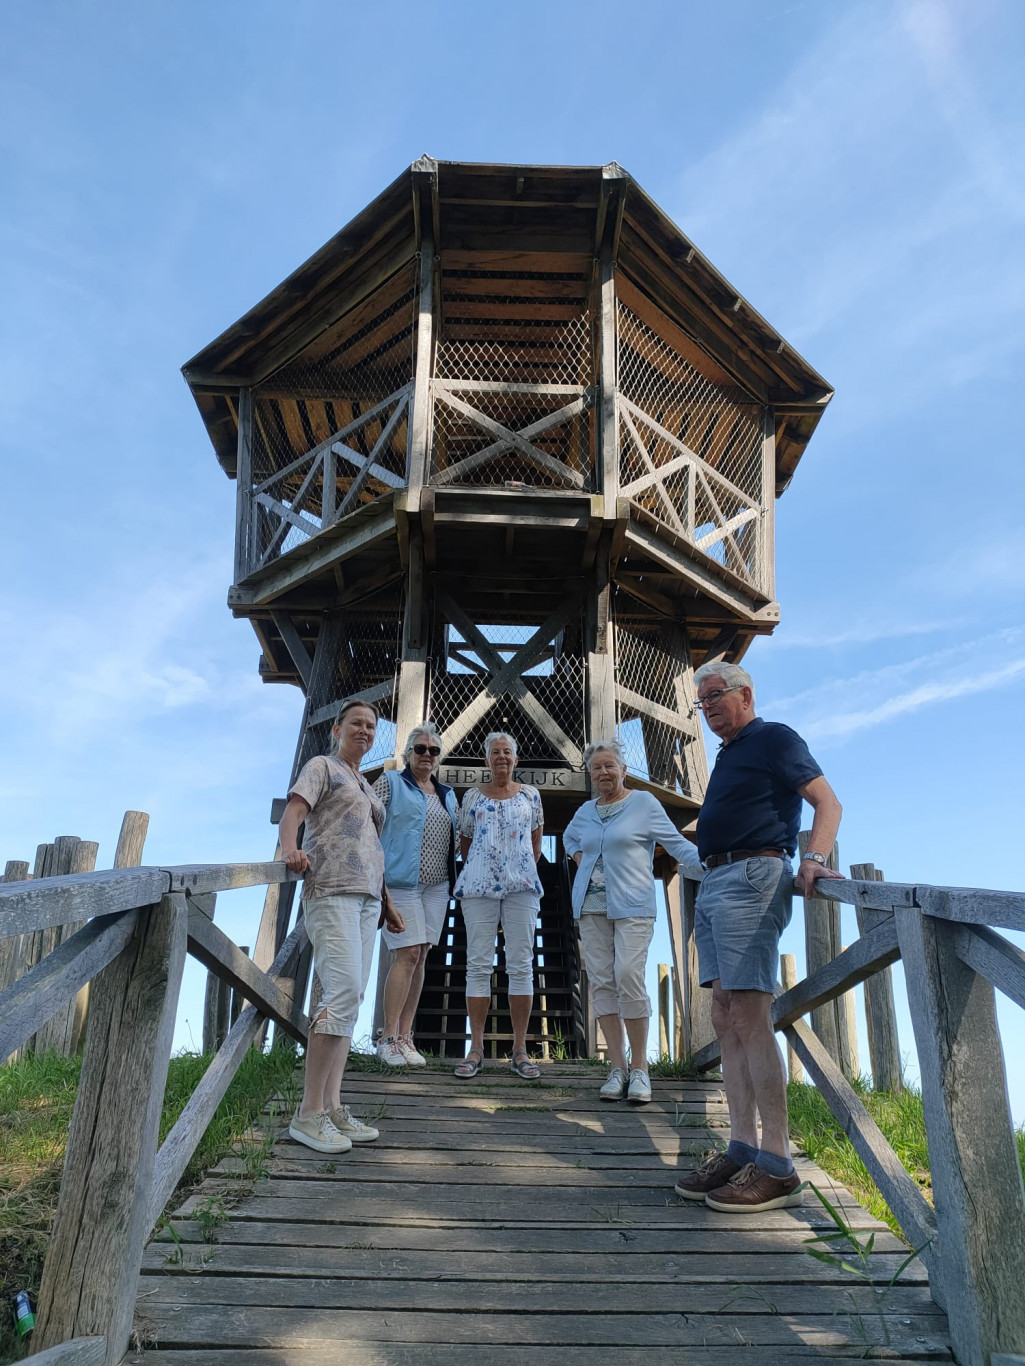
<point>510,440</point>
<point>505,677</point>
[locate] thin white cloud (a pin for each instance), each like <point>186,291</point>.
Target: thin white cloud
<point>831,713</point>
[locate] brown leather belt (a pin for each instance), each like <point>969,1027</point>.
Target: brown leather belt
<point>735,855</point>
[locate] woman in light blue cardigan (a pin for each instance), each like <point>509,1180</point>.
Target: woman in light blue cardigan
<point>612,841</point>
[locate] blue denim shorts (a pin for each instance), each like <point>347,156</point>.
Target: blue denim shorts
<point>742,909</point>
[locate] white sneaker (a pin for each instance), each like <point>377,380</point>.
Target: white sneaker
<point>318,1132</point>
<point>639,1090</point>
<point>615,1087</point>
<point>408,1050</point>
<point>388,1051</point>
<point>354,1129</point>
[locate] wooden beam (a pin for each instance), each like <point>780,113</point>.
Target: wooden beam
<point>29,906</point>
<point>244,485</point>
<point>37,996</point>
<point>980,1203</point>
<point>506,438</point>
<point>880,1012</point>
<point>222,956</point>
<point>767,537</point>
<point>293,644</point>
<point>999,961</point>
<point>78,1352</point>
<point>425,186</point>
<point>101,1225</point>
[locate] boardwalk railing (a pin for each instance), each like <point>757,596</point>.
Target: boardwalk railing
<point>137,925</point>
<point>973,1241</point>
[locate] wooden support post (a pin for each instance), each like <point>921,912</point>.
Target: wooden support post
<point>788,977</point>
<point>880,1012</point>
<point>980,1203</point>
<point>216,1009</point>
<point>425,191</point>
<point>821,946</point>
<point>238,1000</point>
<point>697,999</point>
<point>244,486</point>
<point>89,1278</point>
<point>849,1030</point>
<point>664,1027</point>
<point>767,539</point>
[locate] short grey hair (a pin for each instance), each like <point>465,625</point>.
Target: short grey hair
<point>427,728</point>
<point>732,675</point>
<point>613,747</point>
<point>500,735</point>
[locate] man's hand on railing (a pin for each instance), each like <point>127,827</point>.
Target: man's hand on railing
<point>804,880</point>
<point>295,860</point>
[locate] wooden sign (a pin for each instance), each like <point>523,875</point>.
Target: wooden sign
<point>544,779</point>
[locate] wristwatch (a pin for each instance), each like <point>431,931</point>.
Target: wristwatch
<point>812,857</point>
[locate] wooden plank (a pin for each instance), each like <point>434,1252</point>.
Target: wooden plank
<point>253,1326</point>
<point>767,522</point>
<point>56,980</point>
<point>990,954</point>
<point>495,1354</point>
<point>538,1296</point>
<point>821,946</point>
<point>221,955</point>
<point>190,1126</point>
<point>974,906</point>
<point>78,1352</point>
<point>100,1227</point>
<point>244,485</point>
<point>981,1246</point>
<point>221,877</point>
<point>899,1191</point>
<point>29,906</point>
<point>418,455</point>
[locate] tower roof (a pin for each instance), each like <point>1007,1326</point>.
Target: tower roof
<point>513,221</point>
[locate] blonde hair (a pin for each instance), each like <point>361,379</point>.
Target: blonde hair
<point>346,705</point>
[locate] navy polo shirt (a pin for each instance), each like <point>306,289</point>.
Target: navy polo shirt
<point>752,800</point>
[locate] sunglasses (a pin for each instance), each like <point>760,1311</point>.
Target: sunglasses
<point>432,750</point>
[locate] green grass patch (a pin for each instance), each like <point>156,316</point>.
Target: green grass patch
<point>37,1096</point>
<point>679,1069</point>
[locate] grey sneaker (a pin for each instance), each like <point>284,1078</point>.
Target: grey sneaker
<point>615,1087</point>
<point>388,1051</point>
<point>639,1089</point>
<point>318,1133</point>
<point>354,1129</point>
<point>409,1051</point>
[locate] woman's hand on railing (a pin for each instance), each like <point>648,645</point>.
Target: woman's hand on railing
<point>295,860</point>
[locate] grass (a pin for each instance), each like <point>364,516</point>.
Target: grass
<point>37,1095</point>
<point>902,1122</point>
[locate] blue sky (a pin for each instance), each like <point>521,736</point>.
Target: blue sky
<point>853,168</point>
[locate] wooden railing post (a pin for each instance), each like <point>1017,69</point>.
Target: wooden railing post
<point>880,1013</point>
<point>822,945</point>
<point>697,999</point>
<point>89,1277</point>
<point>788,977</point>
<point>980,1204</point>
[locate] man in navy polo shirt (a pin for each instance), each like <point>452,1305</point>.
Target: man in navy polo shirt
<point>747,834</point>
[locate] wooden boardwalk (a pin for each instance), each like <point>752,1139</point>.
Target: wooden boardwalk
<point>495,1217</point>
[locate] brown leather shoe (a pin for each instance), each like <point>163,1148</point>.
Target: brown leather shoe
<point>714,1171</point>
<point>753,1190</point>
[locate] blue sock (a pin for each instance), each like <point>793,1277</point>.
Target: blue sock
<point>741,1152</point>
<point>774,1164</point>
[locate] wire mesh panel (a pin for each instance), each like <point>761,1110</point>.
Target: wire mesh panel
<point>654,700</point>
<point>330,427</point>
<point>542,707</point>
<point>513,393</point>
<point>367,653</point>
<point>690,448</point>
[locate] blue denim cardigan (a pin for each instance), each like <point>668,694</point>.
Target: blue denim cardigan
<point>627,844</point>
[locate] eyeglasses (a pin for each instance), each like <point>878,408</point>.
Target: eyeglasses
<point>432,750</point>
<point>714,696</point>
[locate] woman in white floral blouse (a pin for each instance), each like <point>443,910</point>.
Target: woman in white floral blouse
<point>500,829</point>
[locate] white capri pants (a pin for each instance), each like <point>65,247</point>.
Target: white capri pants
<point>342,930</point>
<point>517,913</point>
<point>423,909</point>
<point>615,955</point>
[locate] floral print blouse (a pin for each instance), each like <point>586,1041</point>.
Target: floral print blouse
<point>501,857</point>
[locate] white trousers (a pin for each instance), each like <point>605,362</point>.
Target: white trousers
<point>517,913</point>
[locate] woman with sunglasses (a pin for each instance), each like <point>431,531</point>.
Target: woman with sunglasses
<point>419,869</point>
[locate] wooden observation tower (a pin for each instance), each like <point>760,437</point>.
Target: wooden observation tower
<point>507,450</point>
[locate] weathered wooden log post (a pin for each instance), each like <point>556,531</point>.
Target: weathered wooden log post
<point>831,1022</point>
<point>980,1202</point>
<point>101,1225</point>
<point>880,1013</point>
<point>788,979</point>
